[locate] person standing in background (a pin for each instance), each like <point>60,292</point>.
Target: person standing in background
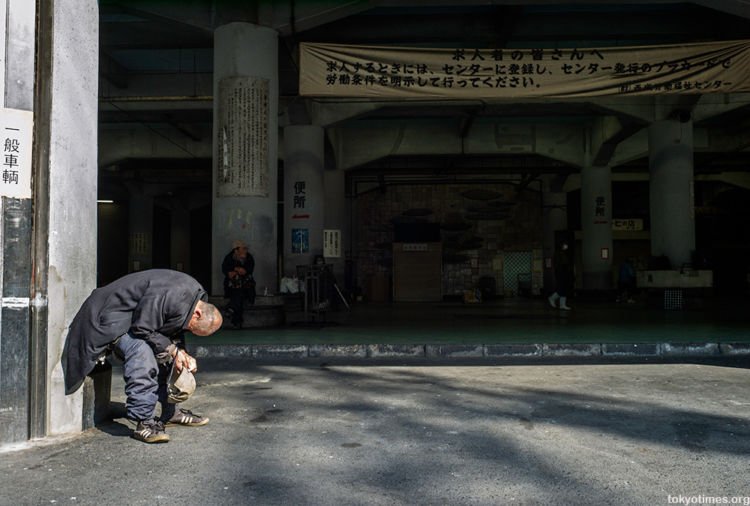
<point>564,277</point>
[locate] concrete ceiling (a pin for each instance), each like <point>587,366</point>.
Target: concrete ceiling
<point>156,82</point>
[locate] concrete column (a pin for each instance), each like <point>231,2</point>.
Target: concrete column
<point>303,195</point>
<point>555,219</point>
<point>17,400</point>
<point>596,224</point>
<point>337,217</point>
<point>671,190</point>
<point>69,63</point>
<point>245,151</point>
<point>141,229</point>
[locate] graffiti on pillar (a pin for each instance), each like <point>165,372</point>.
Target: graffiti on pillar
<point>15,134</point>
<point>243,143</point>
<point>300,240</point>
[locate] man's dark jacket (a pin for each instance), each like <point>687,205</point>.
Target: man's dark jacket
<point>154,305</point>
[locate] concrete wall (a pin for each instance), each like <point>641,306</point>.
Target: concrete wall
<point>72,188</point>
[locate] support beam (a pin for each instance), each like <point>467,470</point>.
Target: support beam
<point>112,71</point>
<point>739,8</point>
<point>326,114</point>
<point>715,104</point>
<point>608,132</point>
<point>356,145</point>
<point>295,16</point>
<point>120,144</point>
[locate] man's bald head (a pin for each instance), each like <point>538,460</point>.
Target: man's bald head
<point>206,319</point>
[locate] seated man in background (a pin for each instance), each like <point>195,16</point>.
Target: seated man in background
<point>238,266</point>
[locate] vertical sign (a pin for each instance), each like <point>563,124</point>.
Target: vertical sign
<point>600,210</point>
<point>16,128</point>
<point>332,243</point>
<point>243,137</point>
<point>299,195</point>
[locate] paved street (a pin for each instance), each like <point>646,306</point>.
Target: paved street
<point>524,434</point>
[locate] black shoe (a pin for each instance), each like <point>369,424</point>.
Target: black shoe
<point>150,431</point>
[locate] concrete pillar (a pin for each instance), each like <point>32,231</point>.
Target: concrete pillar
<point>17,39</point>
<point>245,151</point>
<point>337,217</point>
<point>141,229</point>
<point>671,199</point>
<point>68,47</point>
<point>555,219</point>
<point>303,195</point>
<point>596,225</point>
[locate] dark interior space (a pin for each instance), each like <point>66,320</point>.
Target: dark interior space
<point>112,250</point>
<point>162,236</point>
<point>200,244</point>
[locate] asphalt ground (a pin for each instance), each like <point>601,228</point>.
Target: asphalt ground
<point>311,433</point>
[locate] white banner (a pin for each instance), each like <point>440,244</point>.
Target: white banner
<point>471,73</point>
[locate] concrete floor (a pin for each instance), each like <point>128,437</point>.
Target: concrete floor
<point>517,320</point>
<point>567,434</point>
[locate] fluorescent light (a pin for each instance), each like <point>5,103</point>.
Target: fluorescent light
<point>105,201</point>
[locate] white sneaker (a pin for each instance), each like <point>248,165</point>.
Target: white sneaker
<point>563,304</point>
<point>552,299</point>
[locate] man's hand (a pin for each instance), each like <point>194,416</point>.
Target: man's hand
<point>183,360</point>
<point>241,271</point>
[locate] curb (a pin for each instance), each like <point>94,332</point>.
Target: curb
<point>461,351</point>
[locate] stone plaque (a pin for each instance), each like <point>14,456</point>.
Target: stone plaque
<point>242,158</point>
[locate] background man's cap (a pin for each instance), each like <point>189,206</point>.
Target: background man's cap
<point>239,244</point>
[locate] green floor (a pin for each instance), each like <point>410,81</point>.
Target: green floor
<point>514,321</point>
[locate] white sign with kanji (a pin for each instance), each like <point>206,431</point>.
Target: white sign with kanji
<point>332,243</point>
<point>16,130</point>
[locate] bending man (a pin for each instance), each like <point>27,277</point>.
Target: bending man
<point>141,318</point>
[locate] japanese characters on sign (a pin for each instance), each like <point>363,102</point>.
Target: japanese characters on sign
<point>629,224</point>
<point>363,71</point>
<point>600,210</point>
<point>16,129</point>
<point>243,137</point>
<point>331,243</point>
<point>299,195</point>
<point>415,247</point>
